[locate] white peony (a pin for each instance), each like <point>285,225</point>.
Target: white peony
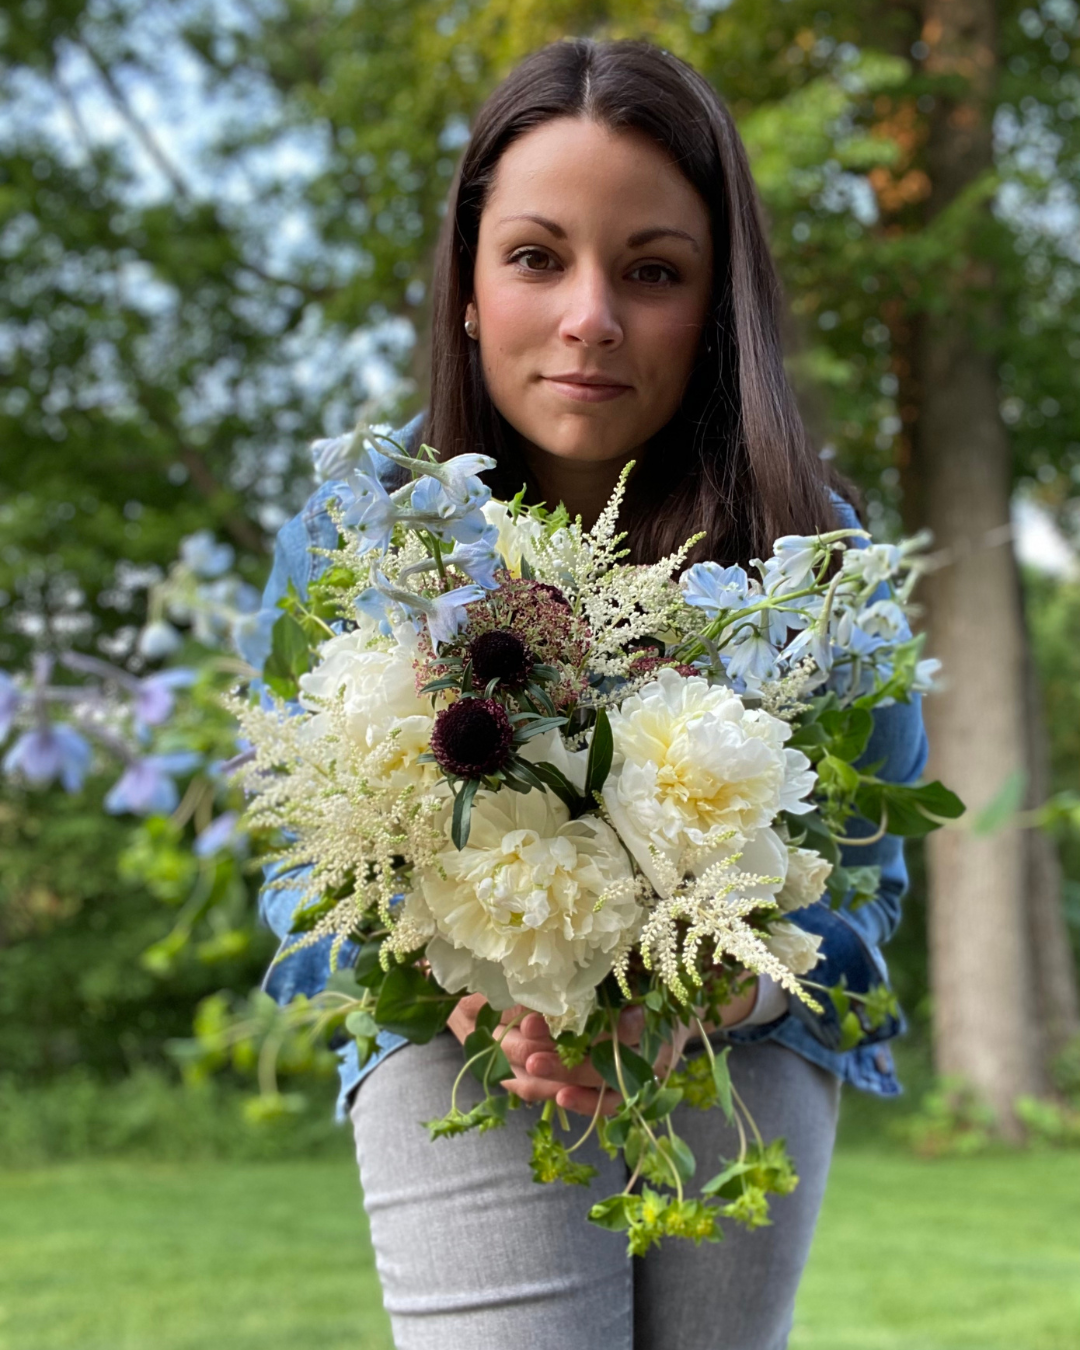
<point>378,692</point>
<point>514,913</point>
<point>517,538</point>
<point>794,946</point>
<point>807,873</point>
<point>693,767</point>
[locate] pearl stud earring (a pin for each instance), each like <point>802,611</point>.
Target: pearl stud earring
<point>472,327</point>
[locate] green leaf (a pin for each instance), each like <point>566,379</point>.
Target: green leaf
<point>487,1017</point>
<point>412,1005</point>
<point>907,811</point>
<point>636,1071</point>
<point>600,755</point>
<point>722,1183</point>
<point>558,782</point>
<point>613,1213</point>
<point>459,829</point>
<point>722,1078</point>
<point>848,731</point>
<point>494,1066</point>
<point>361,1024</point>
<point>367,971</point>
<point>290,657</point>
<point>663,1103</point>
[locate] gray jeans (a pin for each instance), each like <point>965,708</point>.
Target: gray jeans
<point>474,1255</point>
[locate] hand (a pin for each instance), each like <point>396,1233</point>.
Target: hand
<point>539,1073</point>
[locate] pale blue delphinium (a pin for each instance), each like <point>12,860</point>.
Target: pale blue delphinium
<point>872,565</point>
<point>370,510</point>
<point>49,752</point>
<point>712,588</point>
<point>751,656</point>
<point>448,517</point>
<point>202,553</point>
<point>445,614</point>
<point>791,568</point>
<point>10,699</point>
<point>147,787</point>
<point>479,561</point>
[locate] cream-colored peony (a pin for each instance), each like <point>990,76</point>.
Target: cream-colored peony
<point>794,946</point>
<point>377,688</point>
<point>694,767</point>
<point>515,913</point>
<point>517,537</point>
<point>807,873</point>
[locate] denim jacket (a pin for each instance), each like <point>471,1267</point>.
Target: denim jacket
<point>851,939</point>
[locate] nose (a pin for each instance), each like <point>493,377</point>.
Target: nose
<point>590,317</point>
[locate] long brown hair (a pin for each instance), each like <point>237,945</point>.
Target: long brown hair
<point>736,460</point>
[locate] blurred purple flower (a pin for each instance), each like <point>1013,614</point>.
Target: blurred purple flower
<point>50,752</point>
<point>155,697</point>
<point>204,555</point>
<point>146,787</point>
<point>219,834</point>
<point>10,698</point>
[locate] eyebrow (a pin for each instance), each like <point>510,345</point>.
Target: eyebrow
<point>638,240</point>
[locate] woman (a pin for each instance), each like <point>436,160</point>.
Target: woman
<point>604,293</point>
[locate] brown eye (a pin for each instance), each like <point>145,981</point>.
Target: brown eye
<point>533,260</point>
<point>654,274</point>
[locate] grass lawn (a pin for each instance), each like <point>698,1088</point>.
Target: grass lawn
<point>964,1255</point>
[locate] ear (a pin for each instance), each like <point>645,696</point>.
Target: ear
<point>470,312</point>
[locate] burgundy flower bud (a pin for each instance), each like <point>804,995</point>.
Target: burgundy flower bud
<point>472,737</point>
<point>500,655</point>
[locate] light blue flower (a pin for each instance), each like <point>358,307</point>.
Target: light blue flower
<point>219,834</point>
<point>480,560</point>
<point>10,698</point>
<point>713,588</point>
<point>371,512</point>
<point>459,476</point>
<point>792,565</point>
<point>204,555</point>
<point>49,752</point>
<point>874,564</point>
<point>155,696</point>
<point>446,517</point>
<point>333,458</point>
<point>146,787</point>
<point>158,640</point>
<point>752,658</point>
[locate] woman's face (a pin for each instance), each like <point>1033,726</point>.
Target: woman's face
<point>593,278</point>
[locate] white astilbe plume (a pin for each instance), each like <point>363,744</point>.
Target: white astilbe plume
<point>620,603</point>
<point>711,908</point>
<point>349,817</point>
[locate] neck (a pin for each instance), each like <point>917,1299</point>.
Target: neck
<point>583,486</point>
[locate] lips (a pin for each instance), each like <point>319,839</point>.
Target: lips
<point>581,388</point>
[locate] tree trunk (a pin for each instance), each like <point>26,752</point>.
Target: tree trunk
<point>980,954</point>
<point>1057,1004</point>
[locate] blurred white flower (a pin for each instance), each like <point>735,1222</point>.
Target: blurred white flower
<point>794,946</point>
<point>807,873</point>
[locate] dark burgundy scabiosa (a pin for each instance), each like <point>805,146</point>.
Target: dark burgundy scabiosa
<point>472,737</point>
<point>503,656</point>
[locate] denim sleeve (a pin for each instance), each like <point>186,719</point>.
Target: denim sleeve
<point>852,938</point>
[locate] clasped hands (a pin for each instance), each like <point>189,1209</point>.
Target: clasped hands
<point>539,1073</point>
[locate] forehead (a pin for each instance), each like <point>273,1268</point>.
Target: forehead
<point>577,171</point>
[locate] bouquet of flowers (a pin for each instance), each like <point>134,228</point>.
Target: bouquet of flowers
<point>502,759</point>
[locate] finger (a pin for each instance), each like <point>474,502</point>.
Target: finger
<point>631,1025</point>
<point>543,1065</point>
<point>584,1100</point>
<point>535,1027</point>
<point>530,1088</point>
<point>518,1048</point>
